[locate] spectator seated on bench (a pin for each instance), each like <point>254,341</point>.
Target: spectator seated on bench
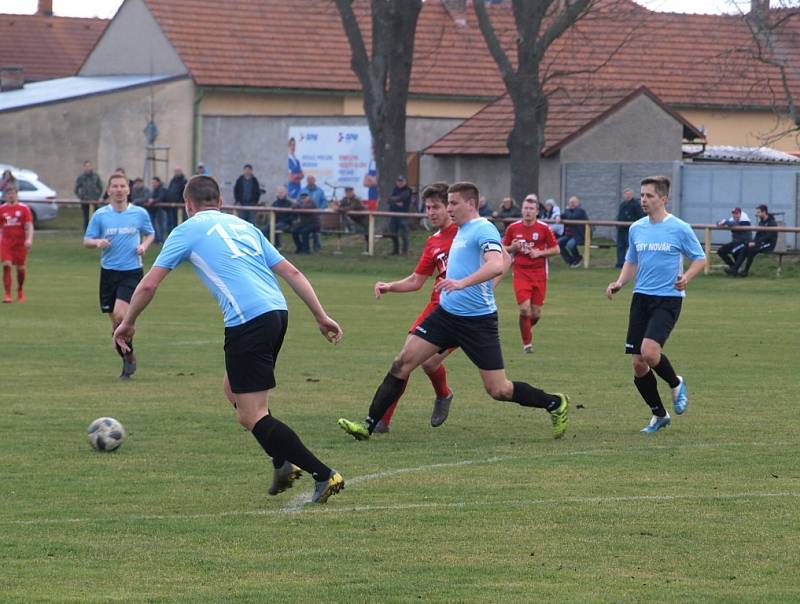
<point>307,225</point>
<point>763,243</point>
<point>284,222</point>
<point>356,224</point>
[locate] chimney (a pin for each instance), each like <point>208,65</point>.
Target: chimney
<point>46,8</point>
<point>11,78</point>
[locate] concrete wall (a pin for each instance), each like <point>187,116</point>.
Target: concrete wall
<point>54,140</point>
<point>639,131</point>
<point>133,43</point>
<point>491,174</point>
<point>228,142</point>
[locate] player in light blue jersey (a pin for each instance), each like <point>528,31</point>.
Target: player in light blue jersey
<point>239,267</point>
<point>656,247</point>
<point>466,317</point>
<point>123,232</point>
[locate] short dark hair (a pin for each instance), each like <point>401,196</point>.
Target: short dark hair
<point>467,190</point>
<point>437,190</point>
<point>248,166</point>
<point>763,207</point>
<point>119,176</point>
<point>157,179</point>
<point>660,183</point>
<point>202,190</point>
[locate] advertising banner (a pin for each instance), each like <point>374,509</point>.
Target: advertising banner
<point>338,156</point>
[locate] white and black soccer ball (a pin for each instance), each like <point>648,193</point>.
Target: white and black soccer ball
<point>105,434</point>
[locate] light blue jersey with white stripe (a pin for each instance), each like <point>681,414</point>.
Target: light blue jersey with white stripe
<point>124,231</point>
<point>658,249</point>
<point>473,239</point>
<point>234,260</point>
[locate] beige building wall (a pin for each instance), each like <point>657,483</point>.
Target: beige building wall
<point>745,128</point>
<point>55,139</point>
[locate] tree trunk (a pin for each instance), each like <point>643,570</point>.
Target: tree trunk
<point>526,139</point>
<point>385,77</point>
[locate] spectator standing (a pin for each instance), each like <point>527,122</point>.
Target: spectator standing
<point>7,178</point>
<point>371,180</point>
<point>158,214</point>
<point>247,192</point>
<point>400,202</point>
<point>317,195</point>
<point>139,193</point>
<point>630,210</point>
<point>764,242</point>
<point>284,221</point>
<point>484,209</point>
<point>88,187</point>
<point>308,225</point>
<point>739,239</point>
<point>201,170</point>
<point>551,211</point>
<point>174,195</point>
<point>508,209</point>
<point>295,176</point>
<point>573,234</point>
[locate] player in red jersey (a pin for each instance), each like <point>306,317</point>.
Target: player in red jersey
<point>16,238</point>
<point>530,241</point>
<point>432,260</point>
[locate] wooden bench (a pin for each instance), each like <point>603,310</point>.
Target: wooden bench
<point>780,254</point>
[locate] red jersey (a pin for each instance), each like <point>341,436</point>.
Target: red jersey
<point>537,236</point>
<point>13,219</point>
<point>434,256</point>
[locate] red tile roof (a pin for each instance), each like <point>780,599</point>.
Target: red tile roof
<point>47,47</point>
<point>687,60</point>
<point>568,116</point>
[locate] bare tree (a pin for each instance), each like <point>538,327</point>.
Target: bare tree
<point>538,24</point>
<point>385,75</point>
<point>775,43</point>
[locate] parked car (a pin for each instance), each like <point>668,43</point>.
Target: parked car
<point>33,193</point>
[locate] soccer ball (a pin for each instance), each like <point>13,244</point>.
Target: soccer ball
<point>105,434</point>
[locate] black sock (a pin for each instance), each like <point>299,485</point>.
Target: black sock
<point>666,372</point>
<point>526,395</point>
<point>387,393</point>
<point>281,443</point>
<point>119,350</point>
<point>648,388</point>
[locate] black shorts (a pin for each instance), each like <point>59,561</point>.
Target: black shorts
<point>477,336</point>
<point>117,285</point>
<point>251,351</point>
<point>651,317</point>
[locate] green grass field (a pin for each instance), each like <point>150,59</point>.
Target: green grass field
<point>486,508</point>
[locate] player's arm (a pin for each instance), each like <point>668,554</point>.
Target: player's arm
<point>91,244</point>
<point>492,267</point>
<point>142,295</point>
<point>627,273</point>
<point>302,287</point>
<point>548,251</point>
<point>507,260</point>
<point>146,241</point>
<point>412,283</point>
<point>28,234</point>
<point>694,268</point>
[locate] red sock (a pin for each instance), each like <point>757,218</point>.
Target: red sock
<point>7,280</point>
<point>387,417</point>
<point>439,381</point>
<point>20,277</point>
<point>525,329</point>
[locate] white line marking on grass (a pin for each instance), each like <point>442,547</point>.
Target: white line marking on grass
<point>297,503</point>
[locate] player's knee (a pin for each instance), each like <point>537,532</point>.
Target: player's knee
<point>431,365</point>
<point>500,392</point>
<point>399,367</point>
<point>536,314</point>
<point>640,366</point>
<point>525,312</point>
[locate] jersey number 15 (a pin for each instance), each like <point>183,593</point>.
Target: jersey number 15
<point>238,235</point>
